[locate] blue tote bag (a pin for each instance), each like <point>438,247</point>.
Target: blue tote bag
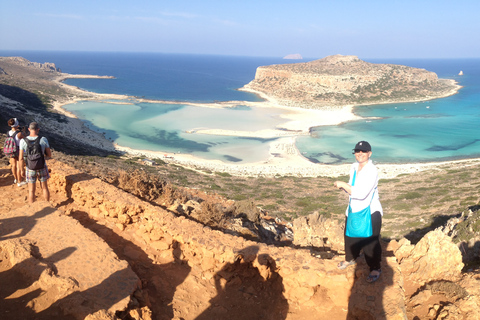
<point>359,224</point>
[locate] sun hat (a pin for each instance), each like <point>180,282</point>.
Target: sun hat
<point>16,124</point>
<point>363,146</point>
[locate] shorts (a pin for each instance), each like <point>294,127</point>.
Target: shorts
<point>32,175</point>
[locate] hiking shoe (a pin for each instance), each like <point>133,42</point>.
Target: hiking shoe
<point>344,264</point>
<point>374,277</point>
<point>22,183</point>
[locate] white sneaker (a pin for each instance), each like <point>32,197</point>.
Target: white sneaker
<point>22,183</point>
<point>15,181</point>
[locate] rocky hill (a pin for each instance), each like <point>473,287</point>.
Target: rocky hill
<point>346,80</point>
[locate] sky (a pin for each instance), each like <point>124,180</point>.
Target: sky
<point>311,28</point>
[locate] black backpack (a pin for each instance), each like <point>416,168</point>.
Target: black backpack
<point>35,157</point>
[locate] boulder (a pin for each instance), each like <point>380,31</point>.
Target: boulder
<point>434,257</point>
<point>315,230</point>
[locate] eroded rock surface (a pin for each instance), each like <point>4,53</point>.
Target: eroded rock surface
<point>77,268</point>
<point>189,271</point>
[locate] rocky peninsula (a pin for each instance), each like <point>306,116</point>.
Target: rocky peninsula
<point>339,80</point>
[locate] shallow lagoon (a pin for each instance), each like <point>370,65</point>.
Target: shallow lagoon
<point>436,130</point>
<point>166,127</point>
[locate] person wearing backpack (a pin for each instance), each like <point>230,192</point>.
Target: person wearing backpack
<point>34,150</point>
<point>11,149</point>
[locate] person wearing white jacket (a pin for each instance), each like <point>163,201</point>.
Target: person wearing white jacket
<point>363,190</point>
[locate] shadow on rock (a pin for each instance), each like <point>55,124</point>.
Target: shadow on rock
<point>21,225</point>
<point>159,281</point>
<point>249,288</point>
<point>101,297</point>
<point>378,300</point>
<point>25,286</point>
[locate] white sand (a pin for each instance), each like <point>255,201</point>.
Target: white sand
<point>284,159</point>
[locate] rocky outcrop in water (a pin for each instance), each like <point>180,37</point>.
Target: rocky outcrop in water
<point>346,80</point>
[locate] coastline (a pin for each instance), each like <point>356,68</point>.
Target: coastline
<point>284,159</point>
<point>453,83</point>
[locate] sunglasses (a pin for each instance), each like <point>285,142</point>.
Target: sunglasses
<point>358,151</point>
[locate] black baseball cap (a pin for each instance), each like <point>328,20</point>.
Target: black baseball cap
<point>363,146</point>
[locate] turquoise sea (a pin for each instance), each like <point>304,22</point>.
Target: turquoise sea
<point>436,130</point>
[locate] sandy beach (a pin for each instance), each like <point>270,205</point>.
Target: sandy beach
<point>284,158</point>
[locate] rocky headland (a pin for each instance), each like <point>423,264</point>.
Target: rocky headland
<point>346,80</point>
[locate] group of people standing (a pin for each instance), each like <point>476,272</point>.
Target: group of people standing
<point>27,160</point>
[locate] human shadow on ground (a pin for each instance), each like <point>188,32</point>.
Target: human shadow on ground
<point>16,299</point>
<point>103,296</point>
<point>21,225</point>
<point>159,280</point>
<point>245,292</point>
<point>368,301</point>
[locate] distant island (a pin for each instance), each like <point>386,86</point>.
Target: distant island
<point>294,56</point>
<point>346,80</point>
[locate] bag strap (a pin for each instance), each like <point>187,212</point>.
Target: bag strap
<point>30,143</point>
<point>37,141</point>
<point>353,183</point>
<point>27,141</point>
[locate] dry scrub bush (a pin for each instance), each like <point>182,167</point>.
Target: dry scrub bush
<point>141,184</point>
<point>212,214</point>
<point>151,188</point>
<point>171,195</point>
<point>163,192</point>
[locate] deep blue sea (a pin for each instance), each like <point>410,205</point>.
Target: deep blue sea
<point>436,130</point>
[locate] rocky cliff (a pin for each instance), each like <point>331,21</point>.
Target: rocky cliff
<point>346,80</point>
<point>47,66</point>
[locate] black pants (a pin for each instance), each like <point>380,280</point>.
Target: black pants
<point>371,245</point>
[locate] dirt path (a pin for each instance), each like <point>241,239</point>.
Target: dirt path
<point>51,265</point>
<point>60,242</point>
